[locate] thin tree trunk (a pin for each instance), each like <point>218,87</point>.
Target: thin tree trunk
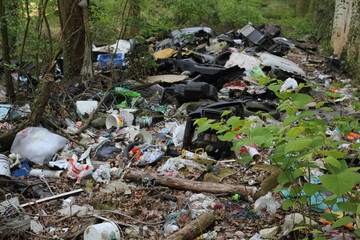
<point>6,53</point>
<point>73,36</point>
<point>87,68</point>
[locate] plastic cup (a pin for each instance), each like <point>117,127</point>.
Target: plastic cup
<point>4,166</point>
<point>102,231</point>
<point>115,120</point>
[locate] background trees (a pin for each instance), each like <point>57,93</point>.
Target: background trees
<point>38,29</point>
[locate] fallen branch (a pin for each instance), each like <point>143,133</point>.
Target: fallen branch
<point>195,186</point>
<point>194,228</point>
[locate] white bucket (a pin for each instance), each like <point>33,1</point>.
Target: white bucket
<point>115,120</point>
<point>102,231</point>
<point>4,165</point>
<point>45,173</point>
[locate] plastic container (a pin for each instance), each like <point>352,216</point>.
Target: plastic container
<point>145,122</point>
<point>111,60</point>
<point>102,231</point>
<point>115,120</point>
<point>4,166</point>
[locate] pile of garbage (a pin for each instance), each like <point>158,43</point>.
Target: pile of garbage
<point>123,159</point>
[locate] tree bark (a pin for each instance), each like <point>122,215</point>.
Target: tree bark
<point>195,186</point>
<point>42,99</point>
<point>87,67</point>
<point>194,228</point>
<point>6,53</point>
<point>73,34</point>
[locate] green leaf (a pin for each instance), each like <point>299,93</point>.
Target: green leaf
<point>327,109</point>
<point>330,217</point>
<point>301,99</point>
<point>302,200</point>
<point>357,232</point>
<point>233,120</point>
<point>355,146</point>
<point>319,238</point>
<point>200,121</point>
<point>300,228</point>
<point>340,183</point>
<point>333,161</point>
<point>343,221</point>
<point>227,136</point>
<point>310,188</point>
<point>287,204</point>
<point>346,206</point>
<point>226,113</point>
<point>319,104</point>
<point>291,110</point>
<point>294,132</point>
<point>297,145</point>
<point>297,173</point>
<point>289,120</point>
<point>205,126</point>
<point>332,153</point>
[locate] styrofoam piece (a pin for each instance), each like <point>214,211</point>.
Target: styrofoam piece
<point>86,107</point>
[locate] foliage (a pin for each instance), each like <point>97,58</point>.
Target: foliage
<point>297,142</point>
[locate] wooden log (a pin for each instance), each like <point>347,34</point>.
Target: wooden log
<point>194,228</point>
<point>195,186</point>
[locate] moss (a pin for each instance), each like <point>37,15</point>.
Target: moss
<point>211,177</point>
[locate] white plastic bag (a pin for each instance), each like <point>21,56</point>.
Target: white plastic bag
<point>37,144</point>
<point>289,84</point>
<point>267,203</point>
<point>77,170</point>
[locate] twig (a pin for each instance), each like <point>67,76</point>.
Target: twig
<point>230,174</point>
<point>66,217</point>
<point>117,222</point>
<point>66,135</point>
<point>124,215</point>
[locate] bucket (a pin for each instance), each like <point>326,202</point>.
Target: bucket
<point>115,120</point>
<point>4,165</point>
<point>102,231</point>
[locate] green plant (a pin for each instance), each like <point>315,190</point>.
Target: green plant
<point>297,142</point>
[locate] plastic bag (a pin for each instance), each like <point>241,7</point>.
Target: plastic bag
<point>289,84</point>
<point>268,203</point>
<point>37,144</point>
<point>77,170</point>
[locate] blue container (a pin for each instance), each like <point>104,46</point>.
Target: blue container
<point>111,60</point>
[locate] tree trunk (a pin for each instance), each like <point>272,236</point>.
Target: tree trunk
<point>42,99</point>
<point>73,34</point>
<point>87,67</point>
<point>6,53</point>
